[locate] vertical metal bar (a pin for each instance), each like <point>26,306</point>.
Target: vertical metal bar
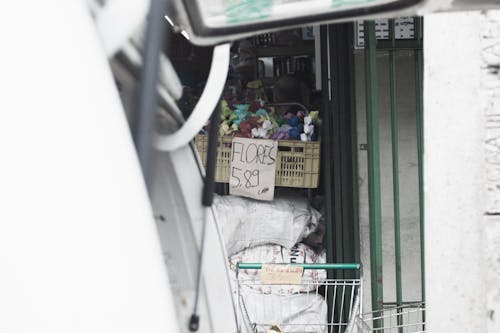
<point>328,322</point>
<point>345,93</point>
<point>341,308</point>
<point>420,146</point>
<point>341,38</point>
<point>395,169</point>
<point>354,158</point>
<point>334,32</point>
<point>335,286</point>
<point>326,156</point>
<point>351,300</point>
<point>360,290</point>
<point>374,194</point>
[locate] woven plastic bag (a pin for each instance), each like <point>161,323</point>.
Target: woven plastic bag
<point>247,223</point>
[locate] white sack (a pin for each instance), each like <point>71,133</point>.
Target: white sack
<point>276,254</point>
<point>293,313</point>
<point>246,223</point>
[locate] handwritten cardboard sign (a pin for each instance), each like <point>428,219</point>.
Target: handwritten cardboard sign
<point>253,168</point>
<point>281,274</point>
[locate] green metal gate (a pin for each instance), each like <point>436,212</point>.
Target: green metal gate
<point>392,46</point>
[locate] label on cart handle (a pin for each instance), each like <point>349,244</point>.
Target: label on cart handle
<point>281,274</point>
<point>253,168</point>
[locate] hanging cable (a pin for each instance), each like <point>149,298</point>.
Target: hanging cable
<point>207,199</point>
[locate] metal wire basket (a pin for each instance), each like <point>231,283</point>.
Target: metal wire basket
<point>316,305</point>
<point>407,318</point>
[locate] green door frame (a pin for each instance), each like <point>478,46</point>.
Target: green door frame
<point>339,151</point>
<point>340,148</point>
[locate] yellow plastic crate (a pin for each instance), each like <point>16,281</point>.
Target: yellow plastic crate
<point>297,162</point>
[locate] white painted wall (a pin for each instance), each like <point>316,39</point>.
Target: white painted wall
<point>490,97</point>
<point>490,103</point>
<point>461,100</point>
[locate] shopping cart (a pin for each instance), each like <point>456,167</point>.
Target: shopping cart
<point>407,318</point>
<point>318,304</point>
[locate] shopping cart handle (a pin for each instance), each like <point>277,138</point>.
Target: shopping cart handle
<point>354,266</point>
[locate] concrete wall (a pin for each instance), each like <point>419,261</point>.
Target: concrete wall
<point>490,98</point>
<point>408,176</point>
<point>462,113</point>
<point>454,179</point>
<point>490,103</point>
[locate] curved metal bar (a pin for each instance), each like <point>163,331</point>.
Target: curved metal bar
<point>205,106</point>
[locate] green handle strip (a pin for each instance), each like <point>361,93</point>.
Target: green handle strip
<point>242,265</point>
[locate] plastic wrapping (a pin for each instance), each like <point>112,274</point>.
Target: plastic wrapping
<point>293,313</point>
<point>247,223</point>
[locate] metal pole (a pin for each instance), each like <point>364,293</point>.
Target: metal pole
<point>326,155</point>
<point>354,157</point>
<point>325,91</point>
<point>146,110</point>
<point>374,194</point>
<point>335,80</point>
<point>207,200</point>
<point>420,147</point>
<point>341,41</point>
<point>395,170</point>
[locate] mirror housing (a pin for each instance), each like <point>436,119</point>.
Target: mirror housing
<point>211,22</point>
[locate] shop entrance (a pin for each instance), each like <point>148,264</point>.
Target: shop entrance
<point>366,81</point>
